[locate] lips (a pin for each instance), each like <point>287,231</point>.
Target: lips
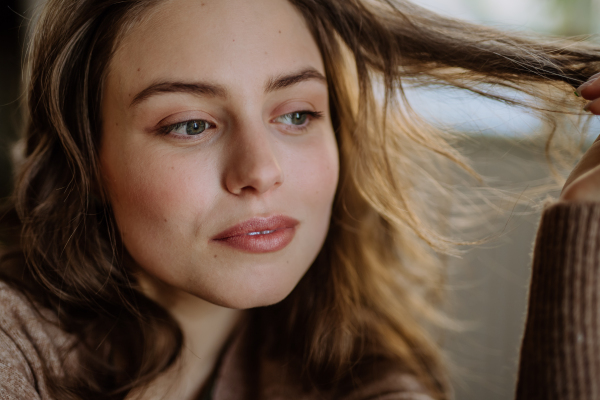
<point>259,234</point>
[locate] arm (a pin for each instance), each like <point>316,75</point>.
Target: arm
<point>560,353</point>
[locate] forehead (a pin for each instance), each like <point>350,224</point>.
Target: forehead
<point>235,42</point>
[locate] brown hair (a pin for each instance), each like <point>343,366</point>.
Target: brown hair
<point>377,279</point>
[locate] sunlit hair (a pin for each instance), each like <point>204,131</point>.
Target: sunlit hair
<point>378,279</point>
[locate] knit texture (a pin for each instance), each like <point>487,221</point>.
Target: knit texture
<point>30,341</point>
<point>560,354</point>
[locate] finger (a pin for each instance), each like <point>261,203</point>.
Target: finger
<point>585,188</point>
<point>590,90</point>
<point>589,161</point>
<point>593,107</point>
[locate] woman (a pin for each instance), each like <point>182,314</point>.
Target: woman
<point>188,159</point>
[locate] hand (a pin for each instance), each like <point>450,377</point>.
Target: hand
<point>584,182</point>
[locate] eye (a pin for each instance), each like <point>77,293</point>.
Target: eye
<point>298,119</point>
<point>187,128</point>
<point>195,127</point>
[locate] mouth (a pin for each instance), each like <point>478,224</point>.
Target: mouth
<point>259,234</point>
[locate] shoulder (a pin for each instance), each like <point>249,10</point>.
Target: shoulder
<point>31,345</point>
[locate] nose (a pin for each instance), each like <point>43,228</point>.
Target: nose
<point>253,166</point>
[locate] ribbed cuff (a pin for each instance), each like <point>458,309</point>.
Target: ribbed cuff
<point>560,353</point>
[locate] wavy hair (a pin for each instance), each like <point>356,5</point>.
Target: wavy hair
<point>378,279</point>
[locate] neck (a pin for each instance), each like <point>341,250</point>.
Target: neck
<point>205,328</point>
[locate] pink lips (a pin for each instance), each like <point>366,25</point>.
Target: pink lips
<point>260,235</point>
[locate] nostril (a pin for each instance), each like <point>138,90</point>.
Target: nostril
<point>252,164</point>
<point>254,176</point>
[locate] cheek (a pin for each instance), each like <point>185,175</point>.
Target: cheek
<point>316,174</point>
<point>312,180</point>
<point>146,187</point>
<point>156,199</point>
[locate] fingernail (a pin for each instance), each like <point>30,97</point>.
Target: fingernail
<point>587,106</point>
<point>580,88</point>
<point>590,81</point>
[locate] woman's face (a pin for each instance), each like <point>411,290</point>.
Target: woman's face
<point>217,152</point>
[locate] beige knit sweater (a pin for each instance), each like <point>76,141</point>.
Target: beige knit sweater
<point>560,354</point>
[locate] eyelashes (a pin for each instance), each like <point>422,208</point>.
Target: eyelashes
<point>304,117</point>
<point>296,121</point>
<point>192,127</point>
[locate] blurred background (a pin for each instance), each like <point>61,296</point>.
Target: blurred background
<point>488,286</point>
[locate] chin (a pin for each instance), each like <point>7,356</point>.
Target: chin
<point>251,293</point>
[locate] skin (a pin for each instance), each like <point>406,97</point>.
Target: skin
<point>172,193</point>
<point>583,184</point>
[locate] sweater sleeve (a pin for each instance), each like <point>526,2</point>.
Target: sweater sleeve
<point>560,352</point>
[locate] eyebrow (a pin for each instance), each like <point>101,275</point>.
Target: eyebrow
<point>215,90</point>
